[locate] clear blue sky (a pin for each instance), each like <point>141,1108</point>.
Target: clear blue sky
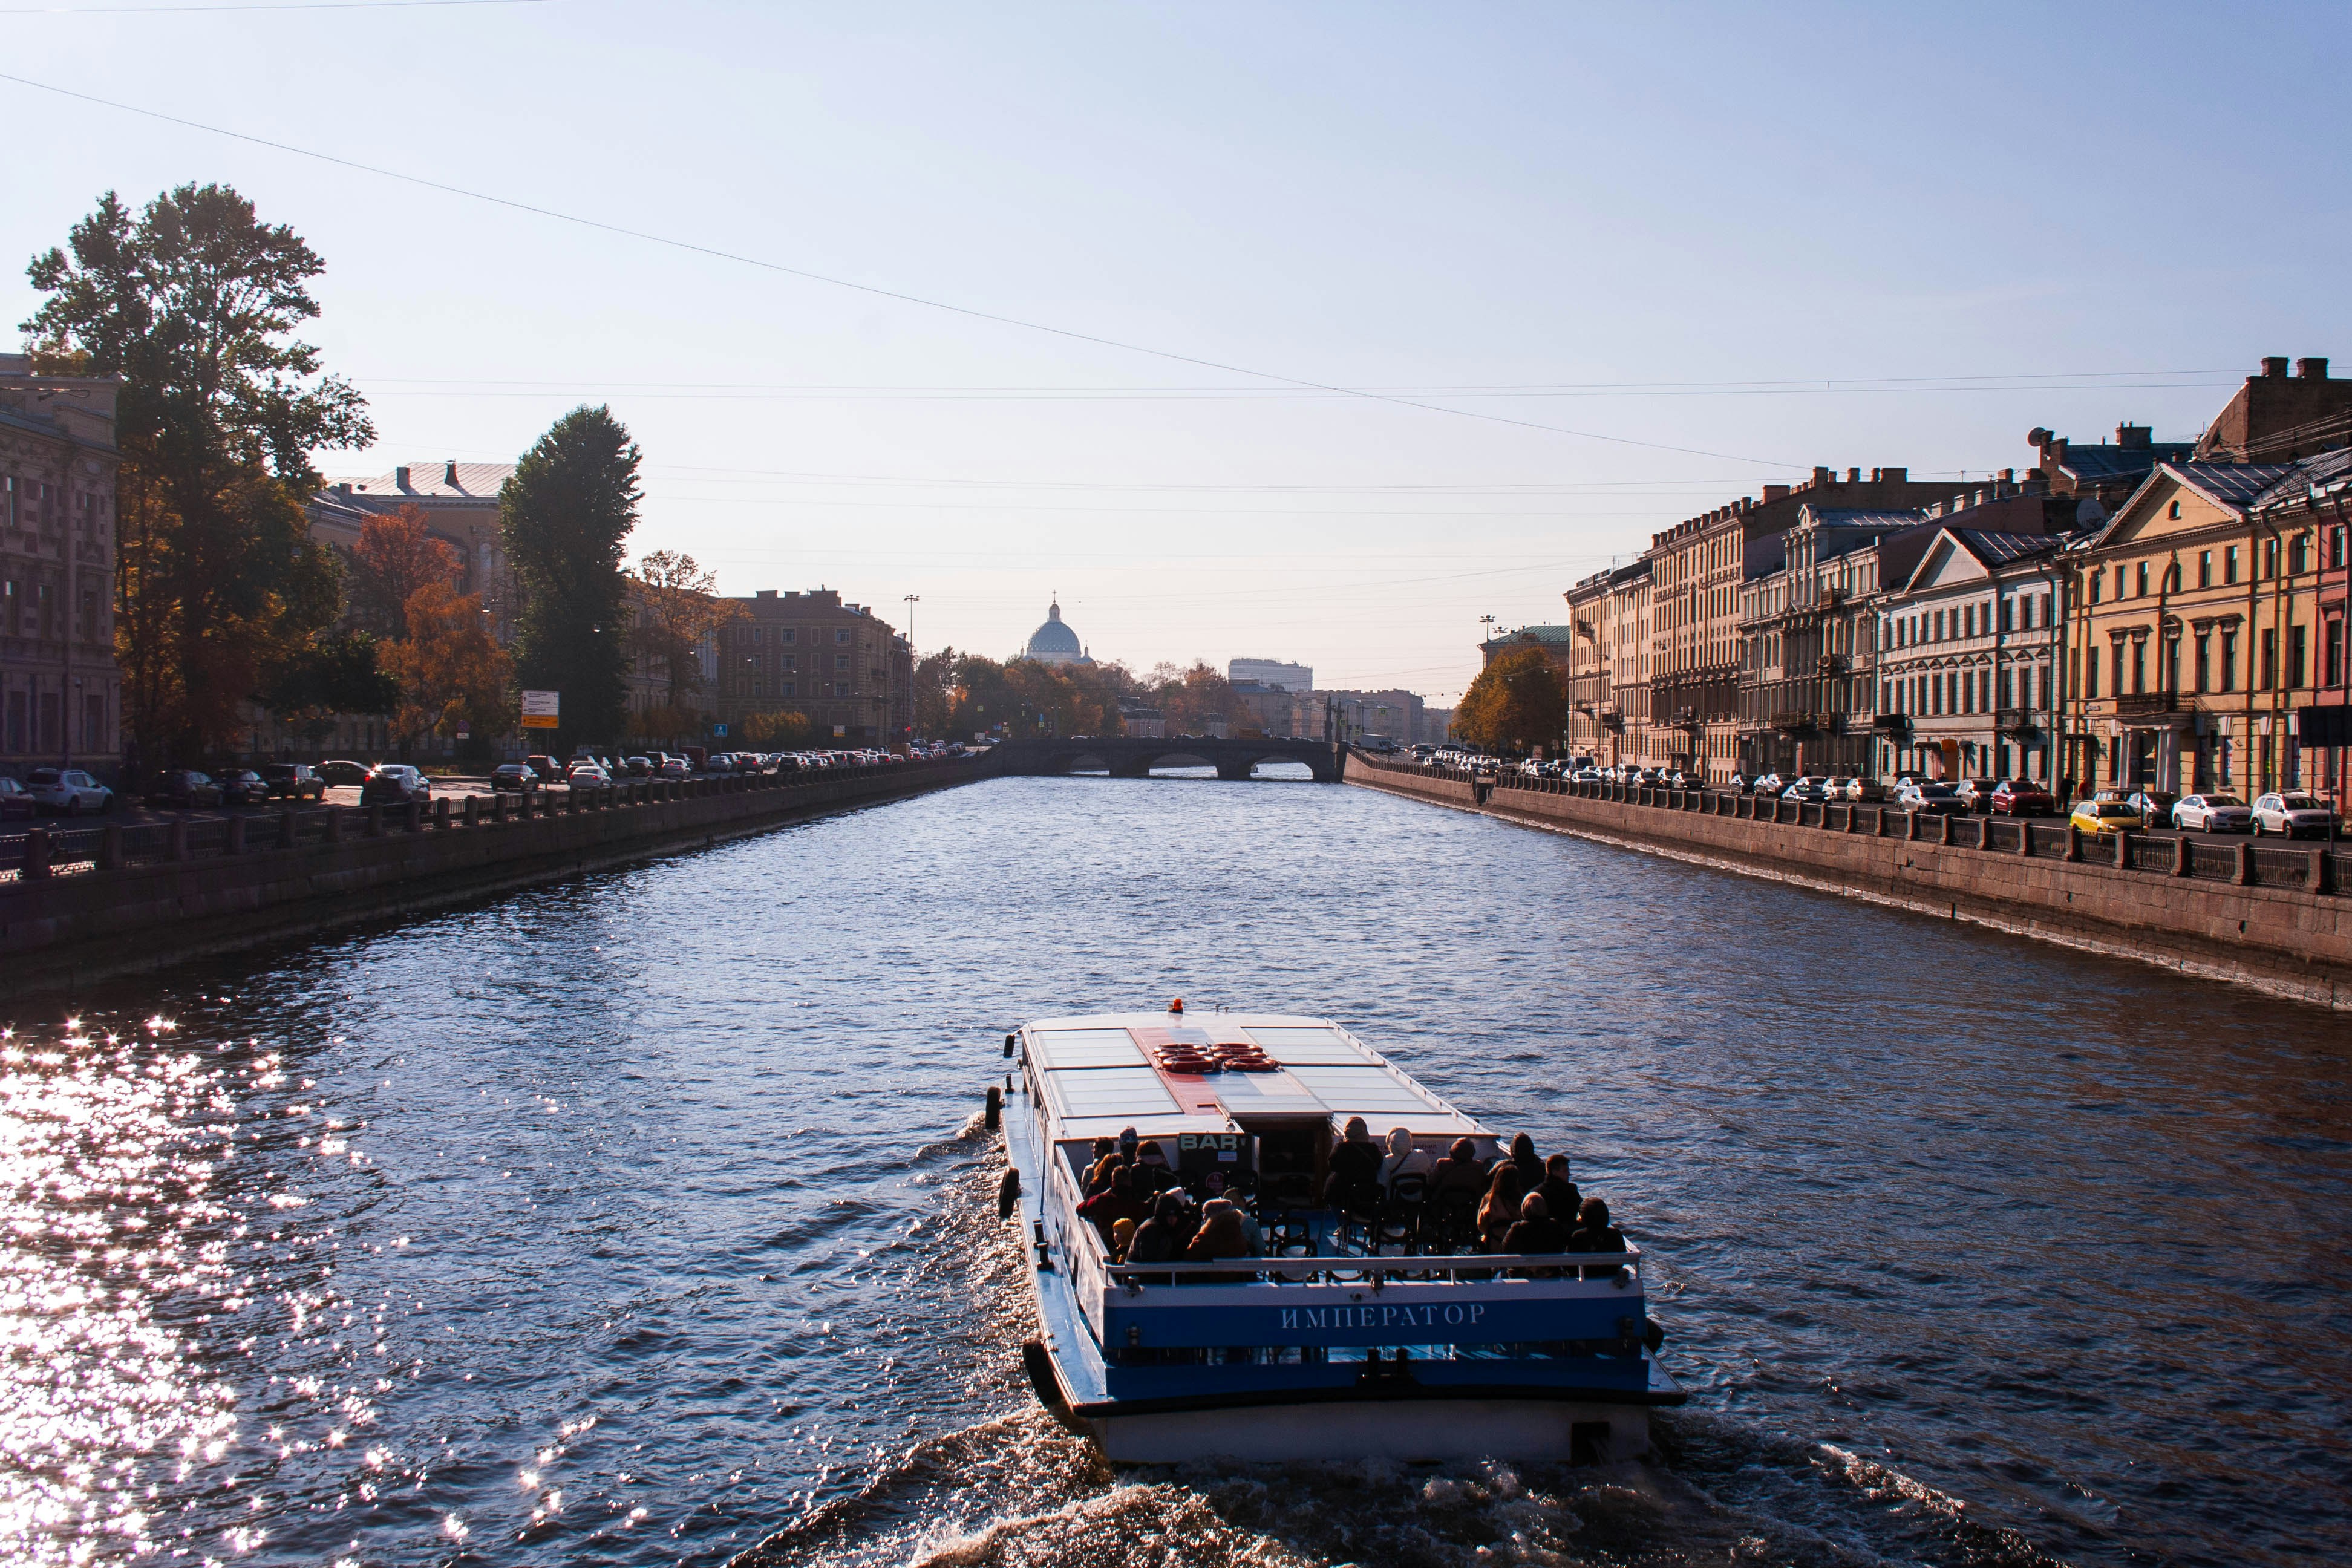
<point>1671,219</point>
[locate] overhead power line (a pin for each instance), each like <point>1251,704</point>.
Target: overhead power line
<point>264,5</point>
<point>969,312</point>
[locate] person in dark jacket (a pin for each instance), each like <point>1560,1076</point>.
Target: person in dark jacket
<point>1153,1175</point>
<point>1105,1160</point>
<point>1164,1237</point>
<point>1117,1202</point>
<point>1535,1230</point>
<point>1595,1234</point>
<point>1506,1190</point>
<point>1560,1194</point>
<point>1355,1177</point>
<point>1523,1155</point>
<point>1460,1172</point>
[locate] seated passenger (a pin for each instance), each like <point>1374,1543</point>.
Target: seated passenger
<point>1162,1237</point>
<point>1500,1209</point>
<point>1355,1168</point>
<point>1122,1236</point>
<point>1560,1194</point>
<point>1103,1161</point>
<point>1460,1172</point>
<point>1595,1234</point>
<point>1220,1236</point>
<point>1152,1175</point>
<point>1535,1230</point>
<point>1404,1160</point>
<point>1523,1155</point>
<point>1117,1202</point>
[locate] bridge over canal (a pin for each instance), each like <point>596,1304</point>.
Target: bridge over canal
<point>1130,757</point>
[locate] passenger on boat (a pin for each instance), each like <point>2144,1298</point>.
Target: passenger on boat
<point>1560,1194</point>
<point>1163,1236</point>
<point>1354,1169</point>
<point>1595,1234</point>
<point>1500,1210</point>
<point>1104,1162</point>
<point>1523,1155</point>
<point>1404,1160</point>
<point>1152,1175</point>
<point>1460,1172</point>
<point>1117,1202</point>
<point>1536,1231</point>
<point>1122,1236</point>
<point>1221,1235</point>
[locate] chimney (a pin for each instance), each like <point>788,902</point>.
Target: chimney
<point>449,473</point>
<point>2312,367</point>
<point>2275,364</point>
<point>1854,476</point>
<point>344,491</point>
<point>763,593</point>
<point>1774,492</point>
<point>1824,476</point>
<point>2132,437</point>
<point>400,475</point>
<point>1895,476</point>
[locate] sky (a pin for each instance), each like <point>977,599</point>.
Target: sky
<point>1311,333</point>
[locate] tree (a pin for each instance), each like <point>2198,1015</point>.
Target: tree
<point>678,607</point>
<point>565,514</point>
<point>448,668</point>
<point>393,558</point>
<point>784,730</point>
<point>1516,702</point>
<point>1193,701</point>
<point>326,677</point>
<point>935,687</point>
<point>218,580</point>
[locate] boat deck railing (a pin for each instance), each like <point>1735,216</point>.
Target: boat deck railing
<point>1377,1272</point>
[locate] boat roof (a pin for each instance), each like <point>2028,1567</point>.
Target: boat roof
<point>1099,1079</point>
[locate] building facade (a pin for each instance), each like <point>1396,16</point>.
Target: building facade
<point>1053,642</point>
<point>1271,672</point>
<point>2194,632</point>
<point>2277,418</point>
<point>460,503</point>
<point>61,691</point>
<point>841,665</point>
<point>1970,652</point>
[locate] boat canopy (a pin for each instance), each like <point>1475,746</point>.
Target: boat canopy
<point>1107,1072</point>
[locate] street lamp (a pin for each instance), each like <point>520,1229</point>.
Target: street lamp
<point>912,600</point>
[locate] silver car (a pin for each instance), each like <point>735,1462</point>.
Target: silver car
<point>69,790</point>
<point>2212,814</point>
<point>2295,814</point>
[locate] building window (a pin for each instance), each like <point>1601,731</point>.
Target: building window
<point>2270,559</point>
<point>2335,548</point>
<point>2204,568</point>
<point>1939,625</point>
<point>2139,666</point>
<point>841,661</point>
<point>2091,672</point>
<point>2008,690</point>
<point>2229,570</point>
<point>2297,556</point>
<point>783,688</point>
<point>2142,592</point>
<point>2297,651</point>
<point>2009,615</point>
<point>2334,646</point>
<point>2229,663</point>
<point>2095,587</point>
<point>2173,511</point>
<point>788,634</point>
<point>2270,659</point>
<point>842,636</point>
<point>784,662</point>
<point>2204,662</point>
<point>755,636</point>
<point>2172,664</point>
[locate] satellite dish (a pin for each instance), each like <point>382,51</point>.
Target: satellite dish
<point>2038,437</point>
<point>2090,512</point>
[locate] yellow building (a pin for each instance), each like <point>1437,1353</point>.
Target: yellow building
<point>2193,634</point>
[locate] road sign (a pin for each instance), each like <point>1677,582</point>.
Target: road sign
<point>719,731</point>
<point>540,708</point>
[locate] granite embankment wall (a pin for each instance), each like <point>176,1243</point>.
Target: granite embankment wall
<point>92,903</point>
<point>2258,915</point>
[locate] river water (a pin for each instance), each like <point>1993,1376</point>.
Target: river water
<point>645,1219</point>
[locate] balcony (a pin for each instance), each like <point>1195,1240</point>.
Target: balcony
<point>1826,597</point>
<point>2146,704</point>
<point>1837,664</point>
<point>1795,723</point>
<point>2014,720</point>
<point>1892,723</point>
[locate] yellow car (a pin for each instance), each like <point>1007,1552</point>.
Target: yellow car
<point>2106,816</point>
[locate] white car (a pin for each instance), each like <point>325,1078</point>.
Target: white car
<point>2212,814</point>
<point>69,790</point>
<point>2294,815</point>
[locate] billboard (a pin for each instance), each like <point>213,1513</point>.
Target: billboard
<point>540,708</point>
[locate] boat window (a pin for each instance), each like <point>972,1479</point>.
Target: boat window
<point>1111,1091</point>
<point>1292,1047</point>
<point>1086,1048</point>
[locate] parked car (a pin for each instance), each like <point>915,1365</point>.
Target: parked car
<point>2018,797</point>
<point>588,772</point>
<point>69,790</point>
<point>2155,805</point>
<point>1931,798</point>
<point>2212,813</point>
<point>15,800</point>
<point>242,787</point>
<point>1977,793</point>
<point>1770,783</point>
<point>520,777</point>
<point>293,780</point>
<point>343,771</point>
<point>672,768</point>
<point>638,767</point>
<point>396,783</point>
<point>2291,812</point>
<point>2105,817</point>
<point>183,787</point>
<point>549,770</point>
<point>1812,787</point>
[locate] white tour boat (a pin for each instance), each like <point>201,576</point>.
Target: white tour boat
<point>1378,1328</point>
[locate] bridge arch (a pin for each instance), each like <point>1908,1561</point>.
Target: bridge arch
<point>1126,756</point>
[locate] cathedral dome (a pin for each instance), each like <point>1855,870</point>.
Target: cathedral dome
<point>1054,642</point>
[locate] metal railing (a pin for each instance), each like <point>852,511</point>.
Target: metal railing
<point>1347,1268</point>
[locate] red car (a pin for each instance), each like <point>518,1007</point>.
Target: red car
<point>2015,797</point>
